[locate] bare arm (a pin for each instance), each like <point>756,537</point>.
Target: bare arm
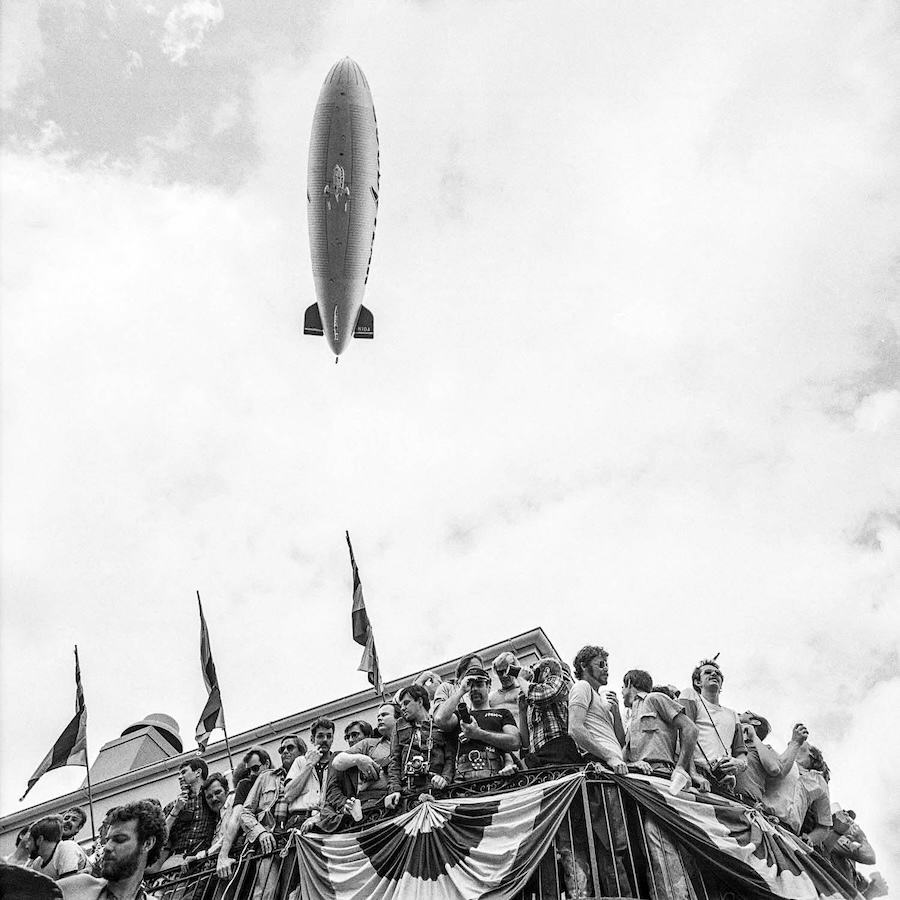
<point>687,739</point>
<point>344,761</point>
<point>770,760</point>
<point>445,718</point>
<point>507,740</point>
<point>579,733</point>
<point>789,757</point>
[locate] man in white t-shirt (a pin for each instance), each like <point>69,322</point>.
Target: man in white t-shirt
<point>50,854</point>
<point>721,754</point>
<point>595,725</point>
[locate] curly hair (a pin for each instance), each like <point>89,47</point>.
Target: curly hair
<point>150,823</point>
<point>584,656</point>
<point>817,762</point>
<point>215,777</point>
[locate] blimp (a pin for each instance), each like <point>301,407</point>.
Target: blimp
<point>342,206</point>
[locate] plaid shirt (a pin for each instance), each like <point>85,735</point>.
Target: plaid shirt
<point>548,709</point>
<point>193,829</point>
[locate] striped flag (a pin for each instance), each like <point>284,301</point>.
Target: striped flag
<point>362,629</point>
<point>485,847</point>
<point>70,748</point>
<point>213,716</point>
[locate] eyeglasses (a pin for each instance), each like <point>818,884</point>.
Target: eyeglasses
<point>254,769</point>
<point>287,747</point>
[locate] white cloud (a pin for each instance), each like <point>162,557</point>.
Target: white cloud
<point>626,270</point>
<point>21,47</point>
<point>186,24</point>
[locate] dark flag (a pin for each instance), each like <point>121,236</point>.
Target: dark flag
<point>70,748</point>
<point>213,716</point>
<point>362,629</point>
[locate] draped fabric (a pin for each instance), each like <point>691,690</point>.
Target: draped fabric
<point>440,850</point>
<point>755,856</point>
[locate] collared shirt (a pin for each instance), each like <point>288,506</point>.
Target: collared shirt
<point>651,736</point>
<point>790,797</point>
<point>548,710</point>
<point>258,813</point>
<point>377,748</point>
<point>193,828</point>
<point>312,796</point>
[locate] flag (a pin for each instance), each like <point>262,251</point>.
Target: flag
<point>70,748</point>
<point>755,857</point>
<point>362,629</point>
<point>441,849</point>
<point>213,716</point>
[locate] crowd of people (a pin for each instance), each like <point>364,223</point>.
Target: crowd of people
<point>434,733</point>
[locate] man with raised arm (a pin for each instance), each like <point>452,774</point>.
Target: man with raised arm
<point>307,780</point>
<point>486,737</point>
<point>763,763</point>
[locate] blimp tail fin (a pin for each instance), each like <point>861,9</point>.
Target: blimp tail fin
<point>365,324</point>
<point>312,321</point>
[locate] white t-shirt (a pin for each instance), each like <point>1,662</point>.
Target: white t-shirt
<point>716,726</point>
<point>597,719</point>
<point>68,857</point>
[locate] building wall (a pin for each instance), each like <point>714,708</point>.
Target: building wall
<point>160,780</point>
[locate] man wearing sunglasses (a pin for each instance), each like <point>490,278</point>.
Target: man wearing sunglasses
<point>256,760</point>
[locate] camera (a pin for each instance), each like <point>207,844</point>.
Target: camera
<point>514,671</point>
<point>462,712</point>
<point>416,765</point>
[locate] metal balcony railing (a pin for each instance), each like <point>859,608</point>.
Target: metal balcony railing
<point>605,847</point>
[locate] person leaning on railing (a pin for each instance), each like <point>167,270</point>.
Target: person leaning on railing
<point>255,760</point>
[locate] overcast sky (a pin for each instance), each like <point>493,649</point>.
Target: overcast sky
<point>636,375</point>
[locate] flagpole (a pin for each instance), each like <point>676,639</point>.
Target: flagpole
<point>228,750</point>
<point>87,765</point>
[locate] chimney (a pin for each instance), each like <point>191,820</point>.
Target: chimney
<point>154,738</point>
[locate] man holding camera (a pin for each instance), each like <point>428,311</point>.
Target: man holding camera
<point>486,736</point>
<point>721,754</point>
<point>418,760</point>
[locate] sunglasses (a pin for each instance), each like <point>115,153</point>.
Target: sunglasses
<point>287,747</point>
<point>254,769</point>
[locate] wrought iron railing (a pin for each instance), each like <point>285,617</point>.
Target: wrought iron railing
<point>605,847</point>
